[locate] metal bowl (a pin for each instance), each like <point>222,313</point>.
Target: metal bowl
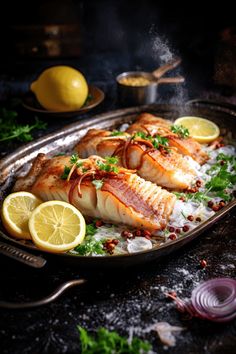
<point>137,95</point>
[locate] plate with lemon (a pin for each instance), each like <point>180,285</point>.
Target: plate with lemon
<point>59,228</point>
<point>62,91</point>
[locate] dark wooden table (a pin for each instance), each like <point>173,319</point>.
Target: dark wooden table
<point>124,301</point>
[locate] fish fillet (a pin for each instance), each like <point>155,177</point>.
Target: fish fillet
<point>165,168</point>
<point>123,197</point>
<point>152,125</point>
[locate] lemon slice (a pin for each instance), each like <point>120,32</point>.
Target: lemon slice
<point>200,129</point>
<point>57,226</point>
<point>16,210</point>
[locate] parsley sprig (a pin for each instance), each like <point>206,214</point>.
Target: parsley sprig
<point>197,197</point>
<point>74,160</point>
<point>10,129</point>
<point>90,245</point>
<point>108,165</point>
<point>116,133</point>
<point>223,176</point>
<point>180,130</point>
<point>156,141</point>
<point>66,172</point>
<point>110,342</point>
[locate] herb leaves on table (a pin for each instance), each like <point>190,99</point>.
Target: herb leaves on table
<point>10,129</point>
<point>110,342</point>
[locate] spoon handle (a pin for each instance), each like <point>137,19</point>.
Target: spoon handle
<point>166,67</point>
<point>171,80</point>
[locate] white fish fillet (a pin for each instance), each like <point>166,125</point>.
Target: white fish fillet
<point>123,198</point>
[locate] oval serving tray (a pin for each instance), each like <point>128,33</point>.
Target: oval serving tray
<point>66,138</point>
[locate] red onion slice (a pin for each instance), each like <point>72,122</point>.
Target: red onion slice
<point>215,299</point>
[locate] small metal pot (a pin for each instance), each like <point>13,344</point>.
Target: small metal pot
<point>141,95</point>
<point>137,95</point>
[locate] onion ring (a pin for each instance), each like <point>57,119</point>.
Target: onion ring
<point>215,299</point>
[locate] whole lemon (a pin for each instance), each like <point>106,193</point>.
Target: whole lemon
<point>60,88</point>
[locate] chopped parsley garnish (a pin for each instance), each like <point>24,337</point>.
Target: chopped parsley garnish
<point>74,158</point>
<point>98,183</point>
<point>223,175</point>
<point>180,130</point>
<point>91,229</point>
<point>73,161</point>
<point>221,183</point>
<point>113,160</point>
<point>65,172</point>
<point>228,159</point>
<point>140,135</point>
<point>90,246</point>
<point>116,133</point>
<point>107,167</point>
<point>198,196</point>
<point>159,140</point>
<point>156,141</point>
<point>110,342</point>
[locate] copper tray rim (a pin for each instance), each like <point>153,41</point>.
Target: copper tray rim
<point>6,163</point>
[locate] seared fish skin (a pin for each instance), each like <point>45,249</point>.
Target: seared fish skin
<point>152,125</point>
<point>164,167</point>
<point>122,198</point>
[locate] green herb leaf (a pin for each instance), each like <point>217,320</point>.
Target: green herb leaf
<point>156,141</point>
<point>91,229</point>
<point>74,158</point>
<point>10,129</point>
<point>159,140</point>
<point>140,135</point>
<point>107,167</point>
<point>79,164</point>
<point>98,183</point>
<point>116,133</point>
<point>66,172</point>
<point>180,130</point>
<point>90,246</point>
<point>198,196</point>
<point>110,342</point>
<point>112,160</point>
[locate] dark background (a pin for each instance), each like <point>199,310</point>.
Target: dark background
<point>106,38</point>
<point>114,36</point>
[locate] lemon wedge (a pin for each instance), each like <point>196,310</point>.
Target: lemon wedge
<point>57,226</point>
<point>60,88</point>
<point>16,210</point>
<point>200,129</point>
